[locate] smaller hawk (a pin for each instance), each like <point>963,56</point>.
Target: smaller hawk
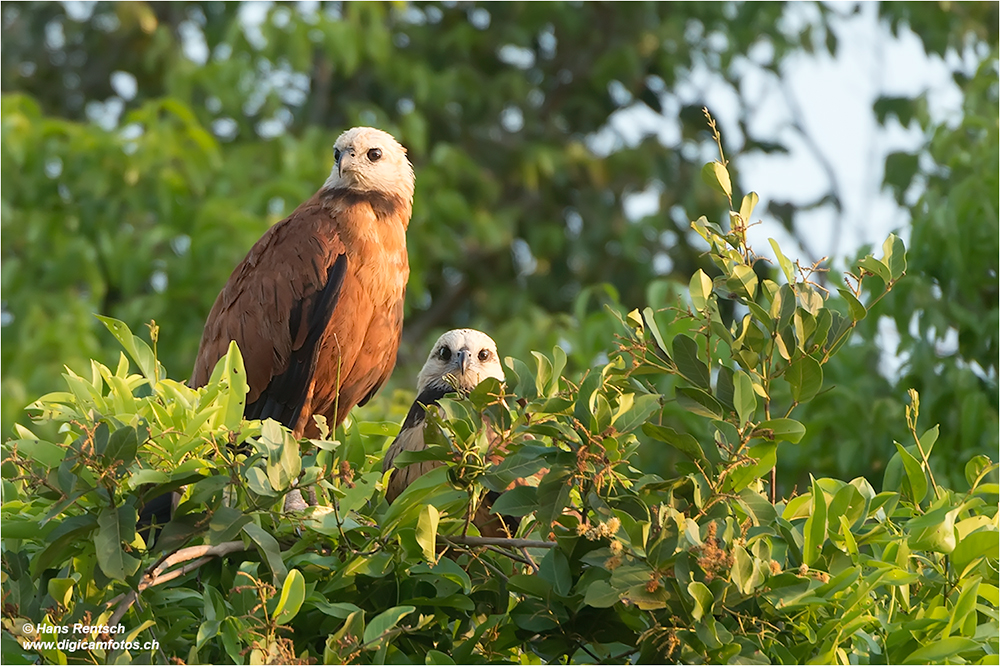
<point>459,360</point>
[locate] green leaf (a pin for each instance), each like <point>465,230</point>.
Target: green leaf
<point>554,568</point>
<point>136,348</point>
<point>814,533</point>
<point>293,593</point>
<point>856,310</point>
<point>805,325</point>
<point>703,600</point>
<point>438,657</point>
<point>530,585</point>
<point>66,533</point>
<point>784,341</point>
<point>894,256</point>
<point>558,365</point>
<point>207,630</point>
<point>339,610</point>
<point>523,376</point>
<point>928,439</point>
<point>747,205</point>
<point>683,442</point>
<point>584,409</point>
<point>526,462</point>
<point>284,463</point>
<point>553,496</point>
<point>699,402</point>
<point>915,474</point>
<point>226,523</point>
<point>463,652</point>
<point>431,488</point>
<point>789,430</point>
<point>846,503</point>
<point>975,469</point>
<point>805,376</point>
<point>600,594</point>
<point>269,549</point>
<point>651,326</point>
<point>346,635</point>
<point>700,288</point>
<point>61,589</point>
<point>876,267</point>
<point>689,365</point>
<point>786,266</point>
<point>427,525</point>
<point>783,307</point>
<point>384,622</point>
<point>258,482</point>
<point>742,571</point>
<point>935,530</point>
<point>940,650</point>
<point>983,543</point>
<point>965,604</point>
<point>115,526</point>
<point>764,457</point>
<point>716,176</point>
<point>235,376</point>
<point>743,281</point>
<point>758,506</point>
<point>102,434</point>
<point>744,397</point>
<point>724,387</point>
<point>543,374</point>
<point>123,444</point>
<point>640,410</point>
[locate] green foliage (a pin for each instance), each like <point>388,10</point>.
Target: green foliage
<point>616,564</point>
<point>945,313</point>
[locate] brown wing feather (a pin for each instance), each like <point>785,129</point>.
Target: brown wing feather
<point>409,439</point>
<point>266,308</point>
<point>288,264</point>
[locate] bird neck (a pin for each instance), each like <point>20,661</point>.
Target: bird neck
<point>385,206</point>
<point>427,397</point>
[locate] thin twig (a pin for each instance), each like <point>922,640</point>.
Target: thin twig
<point>497,541</point>
<point>501,551</point>
<point>531,560</point>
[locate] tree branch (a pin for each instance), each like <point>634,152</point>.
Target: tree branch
<point>497,541</point>
<point>157,574</point>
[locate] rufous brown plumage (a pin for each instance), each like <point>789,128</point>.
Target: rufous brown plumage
<point>316,307</point>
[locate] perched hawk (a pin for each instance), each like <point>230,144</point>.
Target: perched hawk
<point>459,360</point>
<point>316,307</point>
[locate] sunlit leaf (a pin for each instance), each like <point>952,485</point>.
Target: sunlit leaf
<point>293,593</point>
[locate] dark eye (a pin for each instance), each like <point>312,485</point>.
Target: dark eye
<point>484,355</point>
<point>375,154</point>
<point>444,353</point>
<point>336,155</point>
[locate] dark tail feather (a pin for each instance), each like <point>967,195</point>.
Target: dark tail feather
<point>157,511</point>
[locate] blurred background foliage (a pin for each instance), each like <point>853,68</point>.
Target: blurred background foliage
<point>146,146</point>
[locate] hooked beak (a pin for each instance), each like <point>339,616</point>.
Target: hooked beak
<point>464,359</point>
<point>346,162</point>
